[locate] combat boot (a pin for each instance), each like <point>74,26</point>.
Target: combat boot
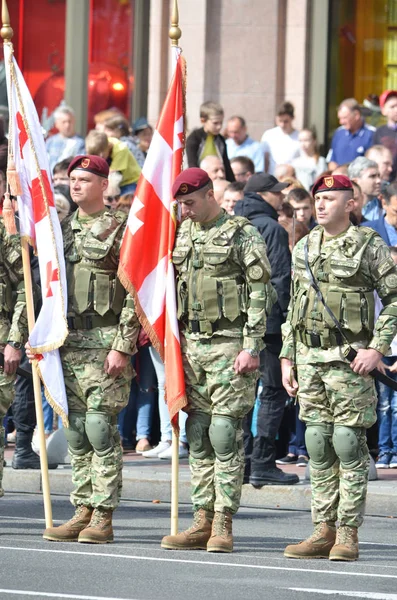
<point>346,544</point>
<point>221,539</point>
<point>69,532</point>
<point>99,530</point>
<point>194,538</point>
<point>318,545</point>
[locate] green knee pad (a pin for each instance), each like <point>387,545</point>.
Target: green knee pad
<point>76,435</point>
<point>348,445</point>
<point>98,429</point>
<point>223,436</point>
<point>197,426</point>
<point>318,439</point>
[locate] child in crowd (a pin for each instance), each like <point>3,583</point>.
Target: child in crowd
<point>232,194</point>
<point>302,203</point>
<point>208,141</point>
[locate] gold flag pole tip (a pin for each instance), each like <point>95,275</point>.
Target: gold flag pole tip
<point>6,31</point>
<point>175,33</point>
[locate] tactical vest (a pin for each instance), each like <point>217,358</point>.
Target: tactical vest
<point>91,268</point>
<point>210,283</point>
<point>7,296</point>
<point>346,288</point>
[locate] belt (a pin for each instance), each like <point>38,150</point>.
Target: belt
<point>92,321</point>
<point>328,339</point>
<point>205,326</point>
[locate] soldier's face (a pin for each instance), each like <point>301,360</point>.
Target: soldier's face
<point>333,207</point>
<point>391,211</point>
<point>87,188</point>
<point>199,207</point>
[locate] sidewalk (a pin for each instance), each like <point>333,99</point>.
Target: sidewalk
<point>150,479</point>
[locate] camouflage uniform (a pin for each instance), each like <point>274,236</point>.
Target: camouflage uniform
<point>223,299</point>
<point>337,404</point>
<point>101,318</point>
<point>13,319</point>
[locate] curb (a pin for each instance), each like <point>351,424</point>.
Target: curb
<point>140,485</point>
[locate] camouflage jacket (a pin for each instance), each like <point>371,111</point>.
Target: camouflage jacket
<point>223,274</point>
<point>13,317</point>
<point>92,249</point>
<point>348,269</point>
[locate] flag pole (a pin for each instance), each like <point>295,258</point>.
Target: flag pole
<point>174,35</point>
<point>7,33</point>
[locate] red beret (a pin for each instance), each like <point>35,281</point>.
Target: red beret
<point>332,183</point>
<point>91,163</point>
<point>384,97</point>
<point>190,181</point>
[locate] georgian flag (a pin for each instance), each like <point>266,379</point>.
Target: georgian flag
<point>39,224</point>
<point>145,266</point>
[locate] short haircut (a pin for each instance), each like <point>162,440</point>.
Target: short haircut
<point>360,164</point>
<point>211,109</point>
<point>96,142</point>
<point>389,191</point>
<point>377,148</point>
<point>241,120</point>
<point>351,104</point>
<point>245,162</point>
<point>235,186</point>
<point>286,108</point>
<point>118,123</point>
<point>62,165</point>
<point>63,110</point>
<point>299,195</point>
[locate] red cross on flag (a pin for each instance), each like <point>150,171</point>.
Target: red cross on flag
<point>39,224</point>
<point>145,267</point>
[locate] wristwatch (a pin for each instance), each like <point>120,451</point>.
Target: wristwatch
<point>251,352</point>
<point>16,345</point>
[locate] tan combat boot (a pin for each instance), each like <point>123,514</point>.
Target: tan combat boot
<point>69,532</point>
<point>99,530</point>
<point>346,544</point>
<point>221,539</point>
<point>194,538</point>
<point>318,545</point>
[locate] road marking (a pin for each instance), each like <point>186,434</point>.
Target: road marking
<point>199,562</point>
<point>54,595</point>
<point>369,595</point>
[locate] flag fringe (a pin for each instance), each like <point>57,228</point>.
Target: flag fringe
<point>56,407</point>
<point>50,347</point>
<point>140,312</point>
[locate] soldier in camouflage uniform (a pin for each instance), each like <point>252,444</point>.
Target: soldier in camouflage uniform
<point>103,329</point>
<point>13,324</point>
<point>337,399</point>
<point>223,299</point>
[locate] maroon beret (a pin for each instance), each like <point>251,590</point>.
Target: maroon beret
<point>91,163</point>
<point>332,183</point>
<point>190,181</point>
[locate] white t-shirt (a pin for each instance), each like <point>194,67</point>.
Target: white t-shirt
<point>281,147</point>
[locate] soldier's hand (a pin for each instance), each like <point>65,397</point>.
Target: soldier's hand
<point>30,354</point>
<point>245,363</point>
<point>288,377</point>
<point>365,361</point>
<point>12,358</point>
<point>115,363</point>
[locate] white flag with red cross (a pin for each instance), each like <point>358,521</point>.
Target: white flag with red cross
<point>145,267</point>
<point>39,224</point>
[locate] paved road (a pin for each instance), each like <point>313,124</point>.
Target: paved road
<point>136,568</point>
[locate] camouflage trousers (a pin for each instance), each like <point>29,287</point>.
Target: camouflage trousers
<point>332,393</point>
<point>97,478</point>
<point>213,388</point>
<point>7,393</point>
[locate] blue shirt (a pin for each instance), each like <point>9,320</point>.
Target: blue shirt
<point>59,148</point>
<point>392,233</point>
<point>253,150</point>
<point>373,210</point>
<point>347,146</point>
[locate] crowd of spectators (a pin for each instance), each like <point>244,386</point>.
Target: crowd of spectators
<point>269,182</point>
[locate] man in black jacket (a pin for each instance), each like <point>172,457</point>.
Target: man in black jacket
<point>262,200</point>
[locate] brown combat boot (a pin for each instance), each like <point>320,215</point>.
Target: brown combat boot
<point>318,545</point>
<point>69,532</point>
<point>221,539</point>
<point>346,544</point>
<point>194,538</point>
<point>99,530</point>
